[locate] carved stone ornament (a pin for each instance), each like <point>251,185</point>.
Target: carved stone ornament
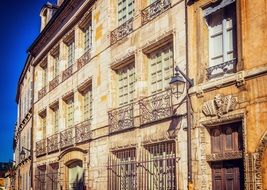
<point>219,105</point>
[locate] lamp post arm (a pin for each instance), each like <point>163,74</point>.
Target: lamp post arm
<point>26,149</point>
<point>190,81</point>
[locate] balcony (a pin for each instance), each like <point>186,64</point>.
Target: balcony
<point>154,10</point>
<point>66,138</point>
<point>42,93</point>
<point>67,73</point>
<point>84,59</point>
<point>83,132</point>
<point>121,118</point>
<point>54,83</point>
<point>155,107</point>
<point>221,69</point>
<point>52,143</point>
<point>40,148</point>
<point>122,31</point>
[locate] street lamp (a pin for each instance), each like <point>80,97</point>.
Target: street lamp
<point>178,83</point>
<point>23,153</point>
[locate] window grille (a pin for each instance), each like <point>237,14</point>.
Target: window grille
<point>158,170</point>
<point>122,170</point>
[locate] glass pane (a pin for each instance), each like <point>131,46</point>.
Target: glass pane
<point>228,138</point>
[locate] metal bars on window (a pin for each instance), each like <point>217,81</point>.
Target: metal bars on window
<point>122,170</point>
<point>156,169</point>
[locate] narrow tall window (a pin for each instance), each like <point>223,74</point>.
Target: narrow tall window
<point>43,124</point>
<point>71,52</point>
<point>56,65</point>
<point>55,119</point>
<point>125,10</point>
<point>222,38</point>
<point>70,111</point>
<point>88,36</point>
<point>126,84</point>
<point>44,76</point>
<point>122,170</point>
<point>87,104</point>
<point>161,68</point>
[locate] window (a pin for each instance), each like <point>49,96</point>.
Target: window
<point>40,178</point>
<point>125,10</point>
<point>222,37</point>
<point>56,65</point>
<point>52,176</point>
<point>43,123</point>
<point>71,52</point>
<point>44,76</point>
<point>161,68</point>
<point>225,139</point>
<point>55,119</point>
<point>126,84</point>
<point>70,111</point>
<point>122,170</point>
<point>87,104</point>
<point>88,36</point>
<point>159,169</point>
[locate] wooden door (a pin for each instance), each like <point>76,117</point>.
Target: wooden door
<point>227,175</point>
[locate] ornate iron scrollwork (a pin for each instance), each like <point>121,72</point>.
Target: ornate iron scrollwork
<point>42,93</point>
<point>83,132</point>
<point>84,59</point>
<point>122,31</point>
<point>121,118</point>
<point>67,73</point>
<point>41,147</point>
<point>221,69</point>
<point>66,138</point>
<point>54,83</point>
<point>156,107</point>
<point>52,143</point>
<point>154,10</point>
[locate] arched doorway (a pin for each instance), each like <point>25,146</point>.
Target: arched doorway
<point>75,175</point>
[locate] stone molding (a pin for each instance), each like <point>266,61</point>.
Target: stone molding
<point>220,105</point>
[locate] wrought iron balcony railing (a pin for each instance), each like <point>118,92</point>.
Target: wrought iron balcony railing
<point>122,31</point>
<point>67,73</point>
<point>52,143</point>
<point>156,107</point>
<point>54,83</point>
<point>66,138</point>
<point>221,69</point>
<point>40,147</point>
<point>83,132</point>
<point>121,118</point>
<point>84,59</point>
<point>42,93</point>
<point>154,10</point>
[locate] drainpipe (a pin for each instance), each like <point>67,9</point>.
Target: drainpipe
<point>188,107</point>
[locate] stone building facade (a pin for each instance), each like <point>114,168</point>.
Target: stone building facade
<point>23,131</point>
<point>104,116</point>
<point>102,103</point>
<point>228,63</point>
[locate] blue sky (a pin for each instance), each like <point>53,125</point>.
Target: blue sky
<point>19,26</point>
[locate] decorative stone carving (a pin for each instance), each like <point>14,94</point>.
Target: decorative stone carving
<point>224,156</point>
<point>219,105</point>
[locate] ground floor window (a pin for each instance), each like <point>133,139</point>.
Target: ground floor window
<point>40,178</point>
<point>153,169</point>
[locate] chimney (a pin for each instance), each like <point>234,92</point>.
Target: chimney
<point>47,13</point>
